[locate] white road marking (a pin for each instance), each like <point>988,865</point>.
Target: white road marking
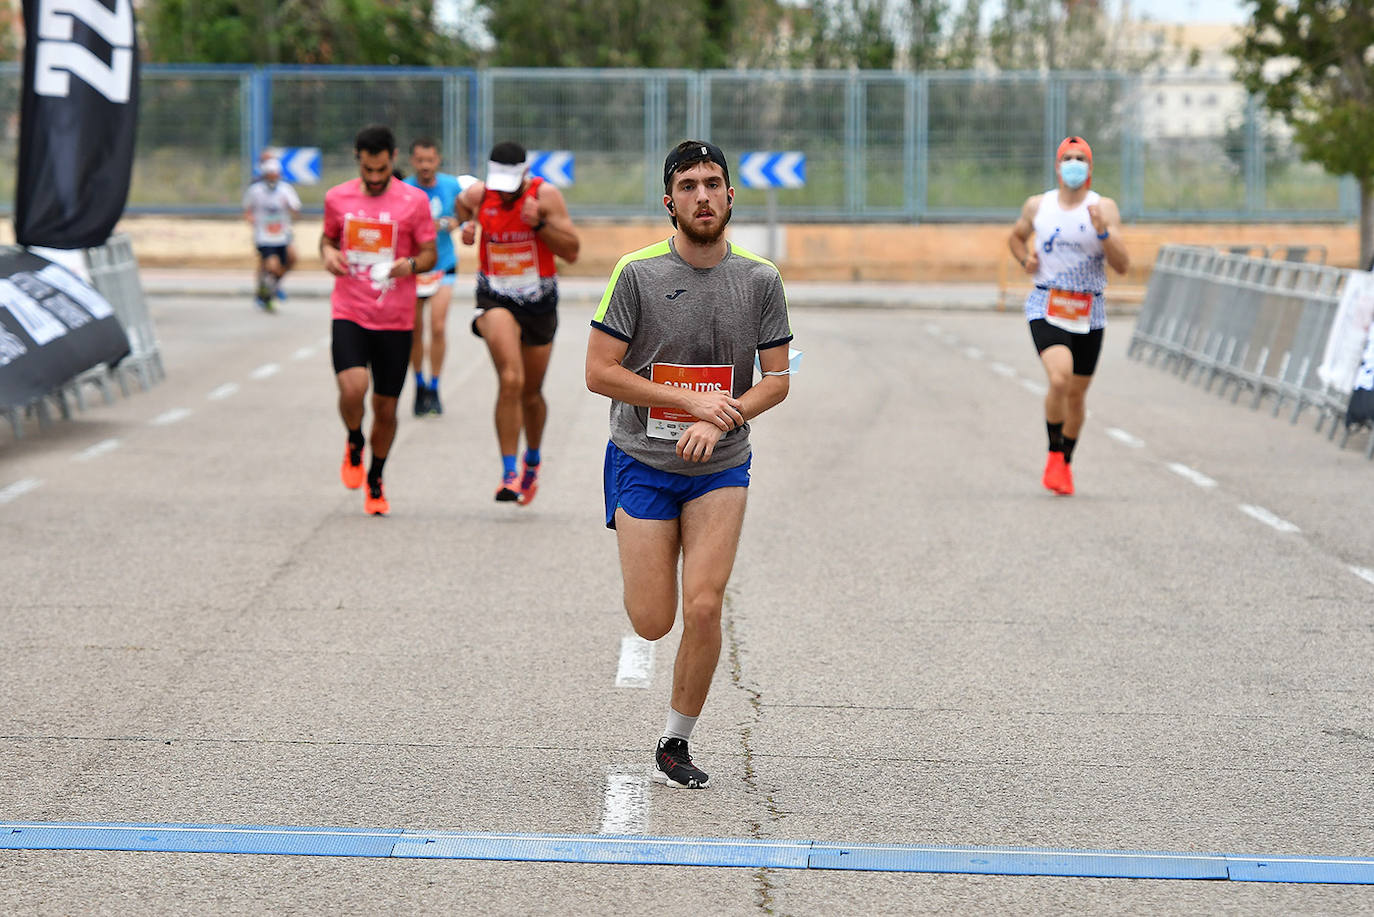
<point>1003,370</point>
<point>99,449</point>
<point>627,804</point>
<point>1197,477</point>
<point>304,353</point>
<point>20,487</point>
<point>636,663</point>
<point>1364,573</point>
<point>1122,436</point>
<point>265,370</point>
<point>1268,518</point>
<point>973,353</point>
<point>226,390</point>
<point>170,417</point>
<point>934,330</point>
<point>1035,388</point>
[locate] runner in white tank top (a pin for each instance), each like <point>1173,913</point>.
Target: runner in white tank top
<point>1075,235</point>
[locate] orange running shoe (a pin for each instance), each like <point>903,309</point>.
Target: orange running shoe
<point>1050,479</point>
<point>351,472</point>
<point>509,491</point>
<point>529,484</point>
<point>375,501</point>
<point>1065,482</point>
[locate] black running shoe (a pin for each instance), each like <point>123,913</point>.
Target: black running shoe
<point>421,400</point>
<point>434,406</point>
<point>673,767</point>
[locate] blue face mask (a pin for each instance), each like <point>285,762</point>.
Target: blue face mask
<point>1074,172</point>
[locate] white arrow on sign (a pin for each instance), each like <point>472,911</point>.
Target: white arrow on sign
<point>787,170</point>
<point>555,166</point>
<point>300,165</point>
<point>751,170</point>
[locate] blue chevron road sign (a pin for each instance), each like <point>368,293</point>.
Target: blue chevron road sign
<point>300,165</point>
<point>554,166</point>
<point>773,170</point>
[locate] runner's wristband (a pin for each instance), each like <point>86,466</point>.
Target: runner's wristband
<point>540,225</point>
<point>1103,235</point>
<point>412,265</point>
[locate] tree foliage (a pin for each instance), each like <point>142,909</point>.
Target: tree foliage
<point>357,32</point>
<point>1313,64</point>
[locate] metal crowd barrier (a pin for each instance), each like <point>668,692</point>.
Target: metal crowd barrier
<point>113,272</point>
<point>1254,326</point>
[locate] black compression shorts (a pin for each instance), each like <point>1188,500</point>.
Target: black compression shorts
<point>386,353</point>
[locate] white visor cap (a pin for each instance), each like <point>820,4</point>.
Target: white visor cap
<point>503,176</point>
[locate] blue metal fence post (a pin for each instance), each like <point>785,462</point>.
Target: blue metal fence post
<point>247,153</point>
<point>855,161</point>
<point>262,110</point>
<point>1256,195</point>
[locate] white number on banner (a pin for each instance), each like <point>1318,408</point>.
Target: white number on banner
<point>59,58</point>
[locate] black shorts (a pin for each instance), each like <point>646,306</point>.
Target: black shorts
<point>272,251</point>
<point>536,328</point>
<point>387,353</point>
<point>1086,348</point>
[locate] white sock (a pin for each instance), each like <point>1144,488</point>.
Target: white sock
<point>678,726</point>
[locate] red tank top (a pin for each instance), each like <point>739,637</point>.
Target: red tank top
<point>513,262</point>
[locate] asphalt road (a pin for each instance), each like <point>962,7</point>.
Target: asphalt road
<point>922,646</point>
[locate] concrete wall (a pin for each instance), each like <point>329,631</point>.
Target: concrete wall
<point>927,253</point>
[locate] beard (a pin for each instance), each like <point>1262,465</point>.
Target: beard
<point>709,237</point>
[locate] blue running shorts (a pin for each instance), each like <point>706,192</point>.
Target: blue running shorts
<point>647,493</point>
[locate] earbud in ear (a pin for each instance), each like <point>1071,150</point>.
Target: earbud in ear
<point>670,206</point>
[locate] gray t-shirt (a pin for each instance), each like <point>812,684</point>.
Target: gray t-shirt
<point>689,326</point>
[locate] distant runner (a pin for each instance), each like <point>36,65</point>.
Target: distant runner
<point>1075,231</point>
<point>435,287</point>
<point>378,235</point>
<point>524,223</point>
<point>269,205</point>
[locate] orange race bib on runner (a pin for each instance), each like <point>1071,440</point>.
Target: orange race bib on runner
<point>513,267</point>
<point>1070,310</point>
<point>369,241</point>
<point>667,423</point>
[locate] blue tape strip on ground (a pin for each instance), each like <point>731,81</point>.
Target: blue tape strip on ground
<point>1331,870</point>
<point>199,839</point>
<point>670,851</point>
<point>1019,861</point>
<point>599,848</point>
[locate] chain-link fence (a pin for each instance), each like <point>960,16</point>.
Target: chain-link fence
<point>879,146</point>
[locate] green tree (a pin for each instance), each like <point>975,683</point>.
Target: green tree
<point>1063,35</point>
<point>1311,61</point>
<point>357,32</point>
<point>694,34</point>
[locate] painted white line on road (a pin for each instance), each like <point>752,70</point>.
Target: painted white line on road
<point>1035,388</point>
<point>1003,370</point>
<point>1364,573</point>
<point>1122,436</point>
<point>265,370</point>
<point>973,353</point>
<point>627,804</point>
<point>304,353</point>
<point>226,390</point>
<point>1197,477</point>
<point>1263,515</point>
<point>636,663</point>
<point>20,487</point>
<point>99,449</point>
<point>170,417</point>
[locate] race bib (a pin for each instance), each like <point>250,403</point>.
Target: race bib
<point>1070,310</point>
<point>427,284</point>
<point>368,241</point>
<point>667,423</point>
<point>513,268</point>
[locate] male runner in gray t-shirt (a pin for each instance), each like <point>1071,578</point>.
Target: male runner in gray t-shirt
<point>673,345</point>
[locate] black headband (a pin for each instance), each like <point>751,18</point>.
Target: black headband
<point>699,151</point>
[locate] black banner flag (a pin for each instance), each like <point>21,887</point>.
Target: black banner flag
<point>79,118</point>
<point>53,325</point>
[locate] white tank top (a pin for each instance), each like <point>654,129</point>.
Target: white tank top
<point>1071,258</point>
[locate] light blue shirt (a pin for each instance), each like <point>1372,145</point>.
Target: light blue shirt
<point>442,196</point>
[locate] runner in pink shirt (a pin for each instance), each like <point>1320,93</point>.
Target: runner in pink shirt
<point>378,234</point>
